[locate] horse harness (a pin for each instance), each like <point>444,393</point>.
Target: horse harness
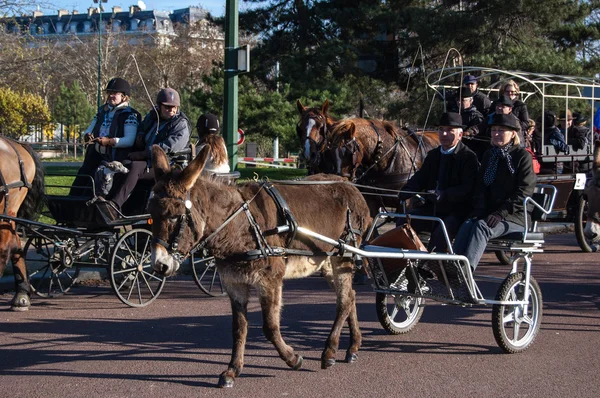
<point>5,188</point>
<point>264,249</point>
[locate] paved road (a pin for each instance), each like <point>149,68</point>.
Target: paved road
<point>87,344</point>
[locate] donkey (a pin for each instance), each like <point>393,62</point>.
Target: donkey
<point>592,192</point>
<point>187,208</point>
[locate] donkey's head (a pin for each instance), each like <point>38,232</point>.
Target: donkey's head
<point>592,192</point>
<point>177,221</point>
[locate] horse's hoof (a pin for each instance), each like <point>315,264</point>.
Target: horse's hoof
<point>299,361</point>
<point>20,302</point>
<point>225,381</point>
<point>328,363</point>
<point>351,357</point>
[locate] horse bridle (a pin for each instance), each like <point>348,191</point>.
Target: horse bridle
<point>182,221</point>
<point>323,130</point>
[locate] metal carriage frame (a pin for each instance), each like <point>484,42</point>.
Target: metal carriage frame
<point>571,205</point>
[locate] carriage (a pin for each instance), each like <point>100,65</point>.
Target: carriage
<point>86,234</point>
<point>568,171</point>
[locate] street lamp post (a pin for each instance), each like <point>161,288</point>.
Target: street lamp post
<point>100,9</point>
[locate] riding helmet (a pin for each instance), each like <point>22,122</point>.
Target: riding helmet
<point>208,124</point>
<point>168,96</point>
<point>119,85</point>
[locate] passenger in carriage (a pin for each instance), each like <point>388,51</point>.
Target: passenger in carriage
<point>505,178</point>
<point>166,126</point>
<point>447,176</point>
<point>480,100</point>
<point>471,117</point>
<point>511,90</point>
<point>579,137</point>
<point>208,133</point>
<point>482,142</point>
<point>111,134</point>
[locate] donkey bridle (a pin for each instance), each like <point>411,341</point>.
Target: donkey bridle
<point>182,221</point>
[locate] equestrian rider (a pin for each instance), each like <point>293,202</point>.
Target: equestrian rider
<point>110,135</point>
<point>166,126</point>
<point>448,177</point>
<point>208,132</point>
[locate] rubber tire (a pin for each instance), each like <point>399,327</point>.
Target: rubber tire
<point>60,279</point>
<point>508,291</point>
<point>206,275</point>
<point>503,257</point>
<point>145,286</point>
<point>386,320</point>
<point>580,225</point>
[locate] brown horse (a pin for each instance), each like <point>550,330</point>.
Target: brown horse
<point>592,192</point>
<point>188,208</point>
<point>374,153</point>
<point>314,126</point>
<point>21,193</point>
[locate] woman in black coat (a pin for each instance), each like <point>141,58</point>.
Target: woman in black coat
<point>505,178</point>
<point>511,90</point>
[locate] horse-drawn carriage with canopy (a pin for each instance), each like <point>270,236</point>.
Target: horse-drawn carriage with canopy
<point>567,171</point>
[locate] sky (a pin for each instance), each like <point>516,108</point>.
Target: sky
<point>215,7</point>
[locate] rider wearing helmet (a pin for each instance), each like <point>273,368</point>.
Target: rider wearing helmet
<point>166,126</point>
<point>111,133</point>
<point>208,133</point>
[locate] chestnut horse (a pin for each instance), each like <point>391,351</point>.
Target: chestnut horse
<point>21,194</point>
<point>592,192</point>
<point>374,153</point>
<point>231,222</point>
<point>312,129</point>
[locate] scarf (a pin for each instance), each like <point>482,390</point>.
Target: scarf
<point>497,152</point>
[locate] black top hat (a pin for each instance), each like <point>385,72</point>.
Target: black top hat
<point>504,100</point>
<point>451,119</point>
<point>506,120</point>
<point>578,118</point>
<point>465,93</point>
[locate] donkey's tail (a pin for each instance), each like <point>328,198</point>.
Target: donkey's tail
<point>32,205</point>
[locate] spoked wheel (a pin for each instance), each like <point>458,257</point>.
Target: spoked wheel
<point>504,256</point>
<point>398,314</point>
<point>206,275</point>
<point>51,265</point>
<point>580,222</point>
<point>131,275</point>
<point>516,326</point>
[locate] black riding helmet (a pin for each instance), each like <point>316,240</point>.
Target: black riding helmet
<point>119,85</point>
<point>207,124</point>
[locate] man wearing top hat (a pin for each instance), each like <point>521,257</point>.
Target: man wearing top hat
<point>444,184</point>
<point>480,100</point>
<point>471,117</point>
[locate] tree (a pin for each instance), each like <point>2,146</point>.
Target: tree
<point>72,108</point>
<point>20,111</point>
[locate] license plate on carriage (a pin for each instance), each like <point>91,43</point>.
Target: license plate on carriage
<point>580,180</point>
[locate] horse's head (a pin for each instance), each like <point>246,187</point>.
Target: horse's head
<point>312,130</point>
<point>346,149</point>
<point>178,222</point>
<point>592,192</point>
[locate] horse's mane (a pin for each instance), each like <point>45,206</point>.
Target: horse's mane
<point>32,204</point>
<point>217,145</point>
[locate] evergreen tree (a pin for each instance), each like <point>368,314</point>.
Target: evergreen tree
<point>72,109</point>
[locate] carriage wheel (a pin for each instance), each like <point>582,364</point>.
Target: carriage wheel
<point>206,275</point>
<point>131,275</point>
<point>516,326</point>
<point>580,222</point>
<point>398,314</point>
<point>51,266</point>
<point>504,256</point>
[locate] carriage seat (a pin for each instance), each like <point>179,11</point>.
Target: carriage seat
<point>530,239</point>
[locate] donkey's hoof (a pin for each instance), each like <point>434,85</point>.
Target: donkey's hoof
<point>298,362</point>
<point>225,381</point>
<point>351,357</point>
<point>327,363</point>
<point>20,302</point>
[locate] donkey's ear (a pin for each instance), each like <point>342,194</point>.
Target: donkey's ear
<point>301,107</point>
<point>325,107</point>
<point>160,162</point>
<point>190,174</point>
